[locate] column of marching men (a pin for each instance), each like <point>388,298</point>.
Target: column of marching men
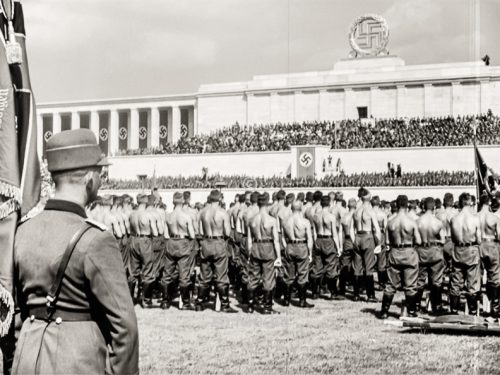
<point>311,244</point>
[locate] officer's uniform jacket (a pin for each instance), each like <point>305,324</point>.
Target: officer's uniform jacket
<point>94,282</point>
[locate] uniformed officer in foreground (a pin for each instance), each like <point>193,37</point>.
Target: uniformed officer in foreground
<point>70,320</point>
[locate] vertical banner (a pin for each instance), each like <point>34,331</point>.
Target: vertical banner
<point>104,132</point>
<point>48,122</point>
<point>123,130</point>
<point>185,123</point>
<point>163,127</point>
<point>143,129</point>
<point>84,120</point>
<point>305,161</point>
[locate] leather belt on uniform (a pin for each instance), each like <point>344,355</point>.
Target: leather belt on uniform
<point>264,240</point>
<point>447,238</point>
<point>363,232</point>
<point>178,237</point>
<point>297,241</point>
<point>403,245</point>
<point>347,237</point>
<point>213,237</point>
<point>323,236</point>
<point>432,243</point>
<point>59,315</point>
<point>143,235</point>
<point>490,240</point>
<point>463,244</point>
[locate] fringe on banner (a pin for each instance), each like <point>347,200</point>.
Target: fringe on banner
<point>8,207</point>
<point>6,311</point>
<point>10,191</point>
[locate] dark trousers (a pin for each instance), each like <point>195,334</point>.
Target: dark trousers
<point>141,260</point>
<point>364,256</point>
<point>243,260</point>
<point>402,271</point>
<point>178,260</point>
<point>490,259</point>
<point>466,270</point>
<point>213,262</point>
<point>296,264</point>
<point>261,267</point>
<point>325,259</point>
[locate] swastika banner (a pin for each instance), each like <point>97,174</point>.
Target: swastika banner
<point>104,132</point>
<point>305,161</point>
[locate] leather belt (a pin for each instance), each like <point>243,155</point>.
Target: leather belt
<point>213,237</point>
<point>463,244</point>
<point>178,237</point>
<point>403,245</point>
<point>347,237</point>
<point>363,232</point>
<point>432,243</point>
<point>143,235</point>
<point>59,315</point>
<point>297,241</point>
<point>490,240</point>
<point>265,240</point>
<point>323,236</point>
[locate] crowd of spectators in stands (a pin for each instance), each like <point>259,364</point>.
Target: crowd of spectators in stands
<point>346,134</point>
<point>431,178</point>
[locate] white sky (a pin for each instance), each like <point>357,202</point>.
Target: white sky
<point>93,49</point>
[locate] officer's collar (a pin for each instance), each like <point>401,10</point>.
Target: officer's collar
<point>67,206</point>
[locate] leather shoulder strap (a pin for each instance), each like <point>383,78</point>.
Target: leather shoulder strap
<point>56,286</point>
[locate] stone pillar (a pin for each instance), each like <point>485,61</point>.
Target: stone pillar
<point>428,100</point>
<point>456,98</point>
<point>190,121</point>
<point>374,109</point>
<point>401,101</point>
<point>39,135</point>
<point>176,124</point>
<point>94,123</point>
<point>250,107</point>
<point>133,135</point>
<point>297,111</point>
<point>75,120</point>
<point>195,119</point>
<point>113,132</point>
<point>56,125</point>
<point>323,110</point>
<point>273,107</point>
<point>484,103</point>
<point>349,104</point>
<point>155,126</point>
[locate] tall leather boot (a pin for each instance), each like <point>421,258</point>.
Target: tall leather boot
<point>268,303</point>
<point>202,296</point>
<point>251,301</point>
<point>225,307</point>
<point>411,305</point>
<point>186,298</point>
<point>370,289</point>
<point>147,301</point>
<point>287,294</point>
<point>166,297</point>
<point>472,303</point>
<point>302,297</point>
<point>343,280</point>
<point>454,304</point>
<point>356,284</point>
<point>418,299</point>
<point>314,285</point>
<point>332,287</point>
<point>382,279</point>
<point>495,302</point>
<point>244,294</point>
<point>131,288</point>
<point>386,305</point>
<point>437,300</point>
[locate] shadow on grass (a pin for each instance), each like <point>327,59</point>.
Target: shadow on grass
<point>449,332</point>
<point>375,312</point>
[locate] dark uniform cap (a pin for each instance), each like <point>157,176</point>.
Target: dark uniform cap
<point>142,199</point>
<point>74,149</point>
<point>178,198</point>
<point>215,196</point>
<point>107,200</point>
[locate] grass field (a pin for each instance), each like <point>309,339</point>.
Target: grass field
<point>334,337</point>
<point>340,337</point>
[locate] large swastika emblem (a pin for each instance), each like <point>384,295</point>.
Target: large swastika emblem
<point>47,135</point>
<point>103,134</point>
<point>184,131</point>
<point>306,159</point>
<point>163,132</point>
<point>369,35</point>
<point>123,133</point>
<point>143,132</point>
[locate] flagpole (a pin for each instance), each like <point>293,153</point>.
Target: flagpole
<point>474,132</point>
